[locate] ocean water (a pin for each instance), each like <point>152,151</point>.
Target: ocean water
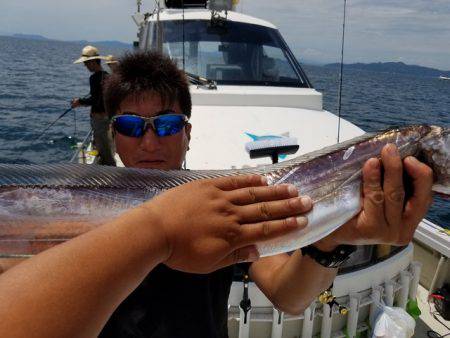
<point>38,79</point>
<point>376,101</point>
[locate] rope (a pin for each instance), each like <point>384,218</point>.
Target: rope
<point>75,124</point>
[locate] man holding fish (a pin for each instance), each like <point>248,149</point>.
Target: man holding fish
<point>162,269</point>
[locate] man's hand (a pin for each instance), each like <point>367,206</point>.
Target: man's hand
<point>213,223</point>
<point>385,218</point>
<point>75,103</point>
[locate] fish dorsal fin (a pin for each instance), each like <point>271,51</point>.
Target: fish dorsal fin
<point>92,176</point>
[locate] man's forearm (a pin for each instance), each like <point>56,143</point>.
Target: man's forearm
<point>86,101</point>
<point>81,281</point>
<point>291,282</point>
<point>8,263</point>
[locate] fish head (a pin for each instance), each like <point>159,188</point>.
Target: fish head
<point>434,149</point>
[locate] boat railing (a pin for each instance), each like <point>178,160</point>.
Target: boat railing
<point>430,236</point>
<point>397,289</point>
<point>434,236</point>
<point>81,147</point>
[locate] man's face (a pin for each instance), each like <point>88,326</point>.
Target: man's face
<point>151,151</point>
<point>113,66</point>
<point>90,65</point>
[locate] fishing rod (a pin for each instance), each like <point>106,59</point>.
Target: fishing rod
<point>184,53</point>
<point>341,72</point>
<point>51,124</point>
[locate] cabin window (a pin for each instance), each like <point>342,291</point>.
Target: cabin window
<point>233,53</point>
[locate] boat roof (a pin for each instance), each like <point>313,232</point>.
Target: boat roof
<point>205,14</point>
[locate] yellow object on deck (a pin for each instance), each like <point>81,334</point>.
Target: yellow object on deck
<point>445,231</point>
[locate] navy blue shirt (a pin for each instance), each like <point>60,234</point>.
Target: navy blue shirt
<point>174,304</point>
<point>95,98</point>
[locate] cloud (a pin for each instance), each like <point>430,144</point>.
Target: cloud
<point>70,20</point>
<point>414,30</point>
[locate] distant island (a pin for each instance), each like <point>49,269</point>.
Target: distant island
<point>384,67</point>
<point>109,43</point>
<point>30,36</point>
<point>393,67</point>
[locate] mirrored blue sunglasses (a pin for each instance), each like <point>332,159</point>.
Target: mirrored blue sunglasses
<point>136,126</point>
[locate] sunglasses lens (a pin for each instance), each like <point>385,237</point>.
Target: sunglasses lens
<point>129,125</point>
<point>167,125</point>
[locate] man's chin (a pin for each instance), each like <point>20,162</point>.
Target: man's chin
<point>161,165</point>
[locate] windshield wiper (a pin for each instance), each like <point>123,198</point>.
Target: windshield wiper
<point>201,81</point>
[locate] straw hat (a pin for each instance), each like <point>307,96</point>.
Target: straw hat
<point>89,53</point>
<point>111,59</point>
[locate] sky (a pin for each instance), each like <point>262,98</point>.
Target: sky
<point>411,31</point>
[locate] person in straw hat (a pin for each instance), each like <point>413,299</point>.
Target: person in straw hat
<point>112,63</point>
<point>99,118</point>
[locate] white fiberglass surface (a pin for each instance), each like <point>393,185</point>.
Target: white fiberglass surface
<point>205,14</point>
<point>219,134</point>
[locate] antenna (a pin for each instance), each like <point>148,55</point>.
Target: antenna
<point>340,75</point>
<point>184,52</point>
<point>159,37</point>
<point>139,4</point>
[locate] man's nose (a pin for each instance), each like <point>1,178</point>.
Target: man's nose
<point>150,141</point>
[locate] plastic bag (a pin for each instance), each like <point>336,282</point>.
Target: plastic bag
<point>393,322</point>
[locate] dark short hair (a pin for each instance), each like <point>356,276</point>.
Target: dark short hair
<point>140,72</point>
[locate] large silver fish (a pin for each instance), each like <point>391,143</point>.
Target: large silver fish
<point>43,205</point>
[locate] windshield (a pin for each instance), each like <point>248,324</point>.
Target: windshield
<point>232,53</point>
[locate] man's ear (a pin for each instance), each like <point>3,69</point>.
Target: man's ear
<point>113,131</point>
<point>188,128</point>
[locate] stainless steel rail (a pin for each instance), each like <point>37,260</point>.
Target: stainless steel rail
<point>81,147</point>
